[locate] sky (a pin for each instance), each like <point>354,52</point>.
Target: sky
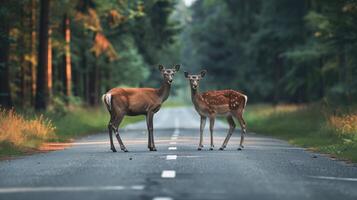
<point>188,3</point>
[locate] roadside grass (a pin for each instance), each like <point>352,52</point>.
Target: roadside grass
<point>21,133</point>
<point>18,133</point>
<point>174,104</point>
<point>311,126</point>
<point>84,121</point>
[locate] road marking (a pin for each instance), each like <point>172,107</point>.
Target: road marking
<point>173,143</point>
<point>171,157</point>
<point>177,123</point>
<point>176,132</point>
<point>168,174</point>
<point>334,178</point>
<point>172,148</point>
<point>69,189</point>
<point>162,198</point>
<point>137,187</point>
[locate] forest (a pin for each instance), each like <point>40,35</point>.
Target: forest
<point>277,50</point>
<point>295,60</point>
<point>63,52</point>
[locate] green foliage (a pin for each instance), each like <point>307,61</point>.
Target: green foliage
<point>308,127</point>
<point>79,122</point>
<point>277,51</point>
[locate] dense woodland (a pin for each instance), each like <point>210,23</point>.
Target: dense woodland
<point>276,50</point>
<point>58,52</point>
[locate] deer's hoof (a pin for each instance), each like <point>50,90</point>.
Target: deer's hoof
<point>222,148</point>
<point>199,148</point>
<point>152,149</point>
<point>239,149</point>
<point>211,148</point>
<point>113,149</point>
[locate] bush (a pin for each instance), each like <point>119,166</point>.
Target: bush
<point>18,131</point>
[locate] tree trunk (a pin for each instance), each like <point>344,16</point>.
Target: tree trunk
<point>5,95</point>
<point>42,94</point>
<point>67,58</point>
<point>94,85</point>
<point>49,65</point>
<point>33,62</point>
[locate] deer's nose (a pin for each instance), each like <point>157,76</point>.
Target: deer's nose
<point>170,81</point>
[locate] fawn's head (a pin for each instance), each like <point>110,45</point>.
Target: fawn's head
<point>195,79</point>
<point>168,74</point>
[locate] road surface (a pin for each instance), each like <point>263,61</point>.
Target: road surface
<point>266,169</point>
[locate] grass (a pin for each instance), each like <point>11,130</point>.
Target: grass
<point>174,104</point>
<point>23,133</point>
<point>85,121</point>
<point>311,126</point>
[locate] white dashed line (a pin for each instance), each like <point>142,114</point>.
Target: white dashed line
<point>174,138</point>
<point>168,174</point>
<point>335,178</point>
<point>162,198</point>
<point>173,143</point>
<point>177,123</point>
<point>171,157</point>
<point>69,189</point>
<point>172,148</point>
<point>137,187</point>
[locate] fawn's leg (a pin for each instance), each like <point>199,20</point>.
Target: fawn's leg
<point>232,126</point>
<point>149,123</point>
<point>202,127</point>
<point>211,125</point>
<point>243,128</point>
<point>115,126</point>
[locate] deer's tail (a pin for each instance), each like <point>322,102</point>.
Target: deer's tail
<point>245,100</point>
<point>107,100</point>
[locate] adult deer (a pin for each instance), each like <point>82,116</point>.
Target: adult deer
<point>137,101</point>
<point>211,104</point>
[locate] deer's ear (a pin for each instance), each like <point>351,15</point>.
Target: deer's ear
<point>177,68</point>
<point>161,67</point>
<point>186,74</point>
<point>203,73</point>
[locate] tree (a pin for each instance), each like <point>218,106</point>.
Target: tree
<point>43,90</point>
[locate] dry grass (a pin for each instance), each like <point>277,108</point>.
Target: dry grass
<point>20,132</point>
<point>345,125</point>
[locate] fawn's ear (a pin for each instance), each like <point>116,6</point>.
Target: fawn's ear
<point>177,68</point>
<point>186,74</point>
<point>161,67</point>
<point>203,73</point>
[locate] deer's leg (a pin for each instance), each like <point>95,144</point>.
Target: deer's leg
<point>232,126</point>
<point>115,126</point>
<point>110,129</point>
<point>243,128</point>
<point>202,127</point>
<point>211,125</point>
<point>149,123</point>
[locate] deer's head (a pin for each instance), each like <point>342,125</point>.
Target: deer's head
<point>195,79</point>
<point>168,74</point>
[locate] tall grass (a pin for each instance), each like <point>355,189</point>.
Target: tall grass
<point>312,126</point>
<point>18,132</point>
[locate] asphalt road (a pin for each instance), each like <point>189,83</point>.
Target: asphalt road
<point>266,169</point>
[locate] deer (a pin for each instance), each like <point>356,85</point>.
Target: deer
<point>210,104</point>
<point>121,102</point>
